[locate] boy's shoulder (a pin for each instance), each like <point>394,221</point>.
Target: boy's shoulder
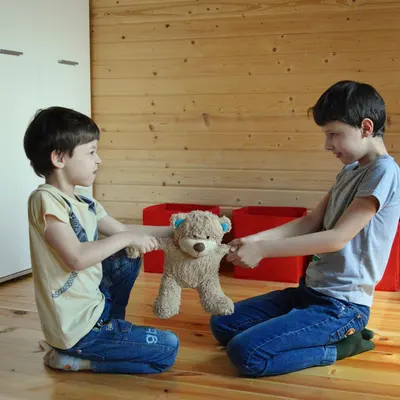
<point>384,168</point>
<point>45,193</point>
<point>380,178</point>
<point>46,199</point>
<point>387,161</point>
<point>384,164</point>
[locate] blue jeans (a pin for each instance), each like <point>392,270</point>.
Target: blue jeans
<point>115,345</point>
<point>286,330</point>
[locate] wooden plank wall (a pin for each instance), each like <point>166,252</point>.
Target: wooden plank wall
<point>203,101</point>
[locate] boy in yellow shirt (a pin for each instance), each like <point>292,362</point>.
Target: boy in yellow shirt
<point>83,283</point>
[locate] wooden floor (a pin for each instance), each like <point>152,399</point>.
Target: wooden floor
<point>202,369</point>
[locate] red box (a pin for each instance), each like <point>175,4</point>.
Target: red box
<point>159,215</point>
<point>249,220</point>
<point>390,281</point>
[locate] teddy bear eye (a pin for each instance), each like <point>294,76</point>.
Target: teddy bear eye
<point>195,237</point>
<point>208,237</point>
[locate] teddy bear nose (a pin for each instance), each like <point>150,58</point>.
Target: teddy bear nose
<point>199,247</point>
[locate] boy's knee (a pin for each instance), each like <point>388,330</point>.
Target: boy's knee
<point>220,330</point>
<point>241,355</point>
<point>215,324</point>
<point>171,342</point>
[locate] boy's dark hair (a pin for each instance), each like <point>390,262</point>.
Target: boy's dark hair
<point>56,129</point>
<point>350,102</point>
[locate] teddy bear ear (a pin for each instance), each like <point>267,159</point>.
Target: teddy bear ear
<point>177,219</point>
<point>226,224</point>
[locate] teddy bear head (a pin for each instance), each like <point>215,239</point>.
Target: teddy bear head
<point>198,233</point>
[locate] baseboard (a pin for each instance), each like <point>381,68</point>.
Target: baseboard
<point>16,275</point>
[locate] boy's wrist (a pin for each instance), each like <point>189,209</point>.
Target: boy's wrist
<point>262,248</point>
<point>168,232</point>
<point>128,237</point>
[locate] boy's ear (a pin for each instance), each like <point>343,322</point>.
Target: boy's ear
<point>226,224</point>
<point>57,158</point>
<point>367,127</point>
<point>177,219</point>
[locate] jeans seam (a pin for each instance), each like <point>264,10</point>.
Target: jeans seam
<point>347,305</point>
<point>131,343</point>
<point>237,328</point>
<point>353,321</point>
<point>329,351</point>
<point>158,346</point>
<point>94,364</point>
<point>355,309</point>
<point>285,334</point>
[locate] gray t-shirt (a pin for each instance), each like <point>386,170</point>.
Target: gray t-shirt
<point>352,273</point>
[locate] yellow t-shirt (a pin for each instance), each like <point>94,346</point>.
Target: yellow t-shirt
<point>69,314</point>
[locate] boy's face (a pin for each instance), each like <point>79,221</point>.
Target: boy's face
<point>347,143</point>
<point>81,168</point>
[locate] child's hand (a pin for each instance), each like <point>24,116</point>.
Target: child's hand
<point>144,243</point>
<point>246,253</point>
<point>244,240</point>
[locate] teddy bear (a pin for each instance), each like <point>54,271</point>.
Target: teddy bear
<point>192,260</point>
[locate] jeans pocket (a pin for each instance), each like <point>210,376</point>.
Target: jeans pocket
<point>116,330</point>
<point>123,329</point>
<point>357,323</point>
<point>363,311</point>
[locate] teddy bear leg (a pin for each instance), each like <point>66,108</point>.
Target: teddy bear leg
<point>213,299</point>
<point>169,298</point>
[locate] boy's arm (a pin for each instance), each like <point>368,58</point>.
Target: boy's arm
<point>358,214</point>
<point>80,255</point>
<point>110,226</point>
<point>310,223</point>
<point>162,243</point>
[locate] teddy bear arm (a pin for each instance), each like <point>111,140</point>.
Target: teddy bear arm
<point>165,244</point>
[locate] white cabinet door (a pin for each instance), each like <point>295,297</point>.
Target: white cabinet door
<point>46,31</point>
<point>16,176</point>
<point>65,63</point>
<point>17,25</point>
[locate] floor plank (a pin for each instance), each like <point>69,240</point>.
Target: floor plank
<point>202,368</point>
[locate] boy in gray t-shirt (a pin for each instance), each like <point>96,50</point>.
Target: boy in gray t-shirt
<point>352,272</point>
<point>350,233</point>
